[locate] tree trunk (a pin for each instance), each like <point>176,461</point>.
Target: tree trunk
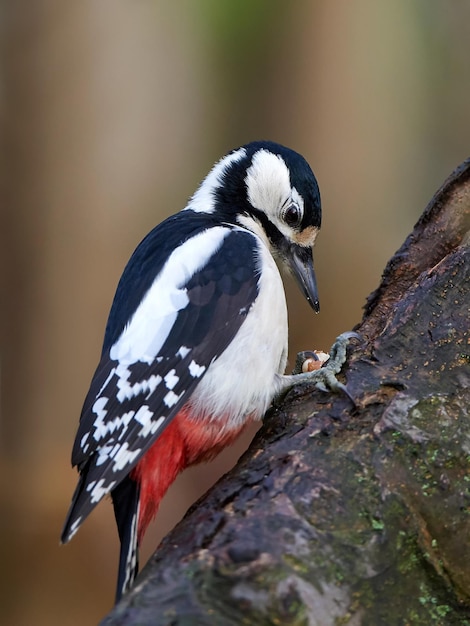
<point>340,514</point>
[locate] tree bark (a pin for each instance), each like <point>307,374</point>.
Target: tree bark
<point>339,514</point>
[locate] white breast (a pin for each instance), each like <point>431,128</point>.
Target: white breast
<point>242,381</point>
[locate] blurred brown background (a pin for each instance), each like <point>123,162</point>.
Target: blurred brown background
<point>112,113</point>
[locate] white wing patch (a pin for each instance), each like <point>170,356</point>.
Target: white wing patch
<point>128,391</point>
<point>98,489</point>
<point>124,456</point>
<point>171,399</point>
<point>196,370</point>
<point>149,327</point>
<point>149,426</point>
<point>74,527</point>
<point>171,379</point>
<point>102,427</point>
<point>183,351</point>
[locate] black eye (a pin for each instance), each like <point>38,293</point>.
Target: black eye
<point>292,215</point>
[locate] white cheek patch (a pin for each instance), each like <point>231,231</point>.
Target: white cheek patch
<point>269,190</point>
<point>268,183</point>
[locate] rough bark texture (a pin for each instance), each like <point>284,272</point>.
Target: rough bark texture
<point>342,515</point>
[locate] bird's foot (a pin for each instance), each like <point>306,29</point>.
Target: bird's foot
<point>314,368</point>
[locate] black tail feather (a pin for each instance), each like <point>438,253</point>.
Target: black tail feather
<point>126,510</point>
<point>74,516</point>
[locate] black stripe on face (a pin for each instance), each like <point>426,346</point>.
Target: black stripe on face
<point>272,232</point>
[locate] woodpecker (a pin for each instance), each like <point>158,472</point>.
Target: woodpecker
<point>195,346</point>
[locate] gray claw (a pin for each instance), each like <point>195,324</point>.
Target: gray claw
<point>325,377</point>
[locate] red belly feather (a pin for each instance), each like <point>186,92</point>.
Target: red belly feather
<point>185,441</point>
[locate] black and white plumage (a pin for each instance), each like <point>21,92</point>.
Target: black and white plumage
<point>196,342</point>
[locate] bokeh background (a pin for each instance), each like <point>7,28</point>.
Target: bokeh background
<point>112,112</point>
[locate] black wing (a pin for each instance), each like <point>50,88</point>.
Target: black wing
<point>131,402</point>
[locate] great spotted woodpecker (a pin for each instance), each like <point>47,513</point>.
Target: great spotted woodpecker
<point>196,341</point>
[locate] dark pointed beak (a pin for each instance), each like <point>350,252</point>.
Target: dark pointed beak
<point>300,261</point>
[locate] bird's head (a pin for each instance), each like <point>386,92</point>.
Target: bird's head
<point>271,191</point>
